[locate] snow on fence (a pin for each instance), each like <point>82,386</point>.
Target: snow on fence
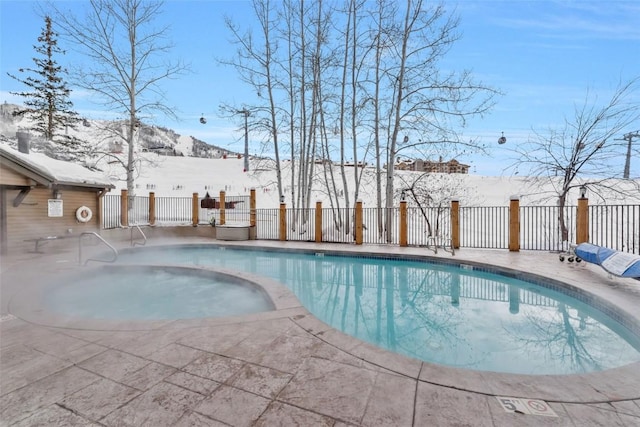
<point>613,226</point>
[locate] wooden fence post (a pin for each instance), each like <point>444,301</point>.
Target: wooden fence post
<point>152,208</point>
<point>582,221</point>
<point>359,229</point>
<point>283,221</point>
<point>455,223</point>
<point>252,207</point>
<point>318,221</point>
<point>124,208</point>
<point>403,223</point>
<point>98,214</point>
<point>514,224</point>
<point>194,207</point>
<point>222,214</point>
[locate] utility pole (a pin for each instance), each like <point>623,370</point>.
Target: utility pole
<point>627,164</point>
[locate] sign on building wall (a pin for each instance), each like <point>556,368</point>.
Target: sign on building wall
<point>54,207</point>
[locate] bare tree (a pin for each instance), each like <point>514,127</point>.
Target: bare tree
<point>126,61</point>
<point>585,150</point>
<point>432,193</point>
<point>254,60</point>
<point>425,101</point>
<point>356,72</point>
<point>382,16</point>
<point>354,100</point>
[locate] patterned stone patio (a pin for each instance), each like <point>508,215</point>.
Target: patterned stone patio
<point>282,367</point>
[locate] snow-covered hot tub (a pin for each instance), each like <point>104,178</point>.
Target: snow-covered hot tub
<point>232,232</point>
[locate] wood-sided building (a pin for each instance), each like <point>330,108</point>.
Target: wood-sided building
<point>41,197</point>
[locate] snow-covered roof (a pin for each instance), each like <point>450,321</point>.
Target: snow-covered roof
<point>52,171</point>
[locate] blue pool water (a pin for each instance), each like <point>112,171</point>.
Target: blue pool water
<point>444,314</point>
<point>143,293</point>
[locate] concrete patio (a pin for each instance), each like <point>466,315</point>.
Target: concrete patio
<point>282,367</point>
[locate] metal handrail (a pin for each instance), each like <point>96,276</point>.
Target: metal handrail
<point>144,237</point>
<point>442,242</point>
<point>93,233</point>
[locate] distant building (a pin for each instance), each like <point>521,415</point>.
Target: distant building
<point>419,165</point>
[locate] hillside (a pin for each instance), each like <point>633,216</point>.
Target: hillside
<point>177,165</point>
<point>151,138</point>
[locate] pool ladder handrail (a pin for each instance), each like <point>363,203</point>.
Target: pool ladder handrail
<point>100,238</point>
<point>440,241</point>
<point>144,237</point>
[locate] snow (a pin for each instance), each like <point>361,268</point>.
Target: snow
<point>182,175</point>
<point>58,170</point>
<point>178,176</point>
<point>184,144</point>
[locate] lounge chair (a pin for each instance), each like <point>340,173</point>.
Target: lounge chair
<point>621,264</point>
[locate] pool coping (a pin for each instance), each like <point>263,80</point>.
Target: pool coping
<point>613,385</point>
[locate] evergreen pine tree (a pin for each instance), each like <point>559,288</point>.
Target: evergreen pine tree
<point>47,99</point>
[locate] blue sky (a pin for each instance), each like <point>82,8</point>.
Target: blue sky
<point>543,55</point>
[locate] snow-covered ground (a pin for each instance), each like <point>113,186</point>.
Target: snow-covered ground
<point>183,176</point>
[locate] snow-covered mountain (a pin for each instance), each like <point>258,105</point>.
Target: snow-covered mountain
<point>100,133</point>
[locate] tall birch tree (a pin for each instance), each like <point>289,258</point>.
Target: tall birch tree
<point>254,59</point>
<point>126,60</point>
<point>426,102</point>
<point>373,75</point>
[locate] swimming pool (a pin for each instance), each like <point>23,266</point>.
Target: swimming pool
<point>155,293</point>
<point>448,314</point>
